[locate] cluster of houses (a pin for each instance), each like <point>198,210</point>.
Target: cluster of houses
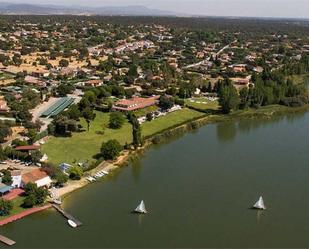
<point>20,179</point>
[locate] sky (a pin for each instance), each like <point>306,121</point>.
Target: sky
<point>255,8</point>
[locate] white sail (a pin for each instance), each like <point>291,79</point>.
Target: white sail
<point>141,208</point>
<point>260,204</point>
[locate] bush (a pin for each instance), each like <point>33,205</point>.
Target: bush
<point>61,179</point>
<point>111,149</point>
<point>116,120</point>
<point>34,195</point>
<point>5,207</point>
<point>75,173</point>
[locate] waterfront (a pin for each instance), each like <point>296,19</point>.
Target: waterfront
<point>198,189</point>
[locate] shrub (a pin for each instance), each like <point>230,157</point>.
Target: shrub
<point>111,149</point>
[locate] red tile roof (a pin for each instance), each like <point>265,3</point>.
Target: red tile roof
<point>34,176</point>
<point>28,147</point>
<point>135,103</point>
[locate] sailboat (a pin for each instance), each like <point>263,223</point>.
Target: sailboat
<point>141,208</point>
<point>259,204</point>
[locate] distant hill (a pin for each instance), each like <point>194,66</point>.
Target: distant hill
<point>35,9</point>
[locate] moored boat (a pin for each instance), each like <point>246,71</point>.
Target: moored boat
<point>57,201</point>
<point>72,223</point>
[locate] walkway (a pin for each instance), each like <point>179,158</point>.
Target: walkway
<point>13,194</point>
<point>23,214</point>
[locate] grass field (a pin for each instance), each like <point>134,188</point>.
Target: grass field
<point>300,79</point>
<point>203,104</point>
<point>16,207</point>
<point>168,121</point>
<point>81,147</point>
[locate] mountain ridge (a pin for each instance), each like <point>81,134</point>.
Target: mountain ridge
<point>40,9</point>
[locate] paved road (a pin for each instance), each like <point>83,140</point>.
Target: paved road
<point>208,58</point>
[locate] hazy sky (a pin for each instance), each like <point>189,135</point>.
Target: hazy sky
<point>261,8</point>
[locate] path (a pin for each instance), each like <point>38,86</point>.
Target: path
<point>23,214</point>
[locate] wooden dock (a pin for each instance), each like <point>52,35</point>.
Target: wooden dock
<point>67,215</point>
<point>7,241</point>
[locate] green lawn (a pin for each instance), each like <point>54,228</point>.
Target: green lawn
<point>16,207</point>
<point>170,120</point>
<point>81,147</point>
<point>143,112</point>
<point>300,79</point>
<point>203,104</point>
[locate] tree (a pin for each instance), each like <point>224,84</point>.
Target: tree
<point>32,134</point>
<point>63,63</point>
<point>111,149</point>
<point>116,120</point>
<point>5,207</point>
<point>228,98</point>
<point>29,201</point>
<point>75,173</point>
<point>61,179</point>
<point>6,178</point>
<point>89,116</point>
<point>5,131</point>
<point>136,132</point>
<point>149,116</point>
<point>73,112</point>
<point>34,195</point>
<point>165,103</point>
<point>133,71</point>
<point>2,154</point>
<point>64,89</point>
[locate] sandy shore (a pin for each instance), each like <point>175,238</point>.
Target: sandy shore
<point>108,166</point>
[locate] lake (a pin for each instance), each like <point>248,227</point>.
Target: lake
<point>198,189</point>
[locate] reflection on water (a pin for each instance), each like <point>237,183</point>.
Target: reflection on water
<point>259,215</point>
<point>136,169</point>
<point>227,131</point>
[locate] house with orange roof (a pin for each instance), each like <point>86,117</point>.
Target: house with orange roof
<point>37,176</point>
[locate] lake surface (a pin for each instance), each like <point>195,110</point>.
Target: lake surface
<point>198,189</point>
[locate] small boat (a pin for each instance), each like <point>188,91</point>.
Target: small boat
<point>141,208</point>
<point>72,223</point>
<point>259,204</point>
<point>105,172</point>
<point>90,179</point>
<point>57,201</point>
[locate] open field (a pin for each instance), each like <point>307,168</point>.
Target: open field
<point>168,121</point>
<point>81,147</point>
<point>202,104</point>
<point>84,145</point>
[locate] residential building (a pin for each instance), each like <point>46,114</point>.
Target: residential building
<point>37,176</point>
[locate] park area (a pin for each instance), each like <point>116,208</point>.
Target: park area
<point>83,146</point>
<point>203,104</point>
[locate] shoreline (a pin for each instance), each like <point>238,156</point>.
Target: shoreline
<point>109,166</point>
<point>181,129</point>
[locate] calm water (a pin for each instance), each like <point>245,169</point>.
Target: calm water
<point>198,189</point>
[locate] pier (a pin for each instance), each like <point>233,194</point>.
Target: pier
<point>7,241</point>
<point>67,215</point>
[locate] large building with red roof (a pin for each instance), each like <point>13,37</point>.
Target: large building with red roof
<point>135,103</point>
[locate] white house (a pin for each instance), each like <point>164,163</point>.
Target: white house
<point>37,176</point>
<point>16,178</point>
